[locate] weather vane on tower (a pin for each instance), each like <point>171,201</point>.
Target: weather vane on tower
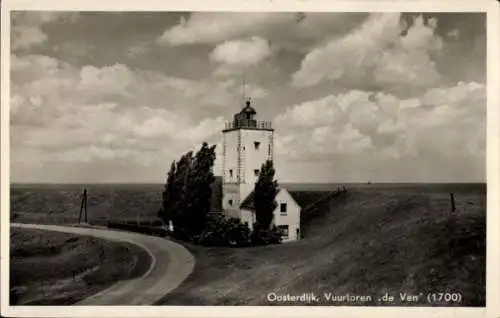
<point>246,100</point>
<point>243,84</point>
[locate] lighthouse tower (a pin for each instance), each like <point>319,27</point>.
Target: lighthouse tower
<point>247,144</point>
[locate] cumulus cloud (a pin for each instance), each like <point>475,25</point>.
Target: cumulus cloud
<point>210,28</point>
<point>255,91</point>
<point>234,56</point>
<point>137,49</point>
<point>74,50</point>
<point>453,34</point>
<point>24,37</point>
<point>67,114</point>
<point>296,31</point>
<point>443,124</point>
<point>43,17</point>
<point>85,133</point>
<point>248,52</point>
<point>389,111</point>
<point>108,79</point>
<point>34,65</point>
<point>382,52</point>
<point>27,27</point>
<point>50,77</point>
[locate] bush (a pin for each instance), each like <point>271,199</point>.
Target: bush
<point>220,231</point>
<point>238,233</point>
<point>261,236</point>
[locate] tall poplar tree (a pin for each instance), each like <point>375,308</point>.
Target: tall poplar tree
<point>264,195</point>
<point>169,197</point>
<point>198,192</point>
<point>178,210</point>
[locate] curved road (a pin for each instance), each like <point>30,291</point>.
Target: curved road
<point>171,263</point>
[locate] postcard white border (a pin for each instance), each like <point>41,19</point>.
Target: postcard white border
<point>493,145</point>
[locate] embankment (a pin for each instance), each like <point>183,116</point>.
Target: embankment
<point>54,268</point>
<point>368,242</point>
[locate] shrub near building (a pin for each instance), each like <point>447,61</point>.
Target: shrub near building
<point>221,231</point>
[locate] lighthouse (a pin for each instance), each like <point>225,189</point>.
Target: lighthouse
<point>247,143</point>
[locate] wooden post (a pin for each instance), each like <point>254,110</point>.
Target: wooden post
<point>83,207</point>
<point>85,198</point>
<point>452,199</point>
<point>81,210</point>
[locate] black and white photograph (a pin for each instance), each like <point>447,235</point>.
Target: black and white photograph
<point>260,158</point>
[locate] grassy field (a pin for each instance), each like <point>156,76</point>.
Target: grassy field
<point>60,204</point>
<point>370,242</point>
<point>52,268</point>
<point>395,238</point>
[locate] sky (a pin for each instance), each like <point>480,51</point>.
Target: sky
<point>353,97</point>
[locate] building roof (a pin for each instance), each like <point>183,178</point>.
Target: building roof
<point>305,198</point>
<point>302,198</point>
<point>248,202</point>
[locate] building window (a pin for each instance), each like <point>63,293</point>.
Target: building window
<point>231,173</point>
<point>230,202</point>
<point>269,150</point>
<point>283,208</point>
<point>256,172</point>
<point>284,231</point>
<point>257,145</point>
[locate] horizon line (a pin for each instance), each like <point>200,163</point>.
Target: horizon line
<point>329,182</point>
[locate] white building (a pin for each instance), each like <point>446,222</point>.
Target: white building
<point>247,144</point>
<point>286,214</point>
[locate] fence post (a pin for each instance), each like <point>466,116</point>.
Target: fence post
<point>452,199</point>
<point>86,215</point>
<point>80,214</point>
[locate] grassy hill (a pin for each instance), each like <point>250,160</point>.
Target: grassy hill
<point>368,242</point>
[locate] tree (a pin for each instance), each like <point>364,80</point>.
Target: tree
<point>169,198</point>
<point>178,206</point>
<point>198,191</point>
<point>265,192</point>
